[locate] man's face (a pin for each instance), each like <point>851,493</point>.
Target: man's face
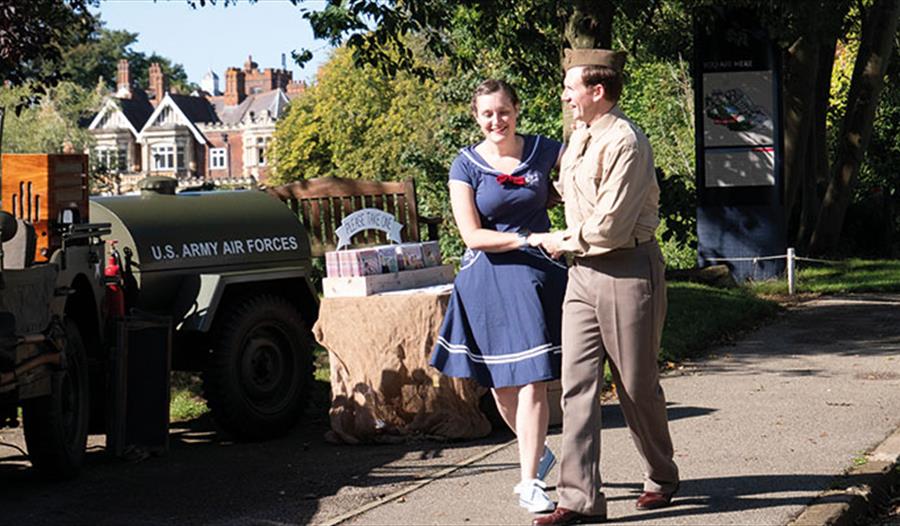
<point>584,101</point>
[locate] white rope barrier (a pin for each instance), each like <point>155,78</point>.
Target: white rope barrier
<point>791,264</point>
<point>754,259</point>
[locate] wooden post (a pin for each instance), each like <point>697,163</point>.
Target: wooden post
<point>790,270</point>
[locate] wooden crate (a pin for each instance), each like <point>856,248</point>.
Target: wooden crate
<point>36,187</point>
<point>368,285</point>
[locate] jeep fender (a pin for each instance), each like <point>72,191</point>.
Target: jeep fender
<point>213,287</point>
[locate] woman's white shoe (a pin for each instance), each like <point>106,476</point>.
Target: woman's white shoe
<point>532,496</point>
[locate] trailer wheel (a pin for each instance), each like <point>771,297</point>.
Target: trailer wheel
<point>56,426</point>
<point>259,374</point>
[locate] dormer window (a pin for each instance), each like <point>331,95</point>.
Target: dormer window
<point>165,115</point>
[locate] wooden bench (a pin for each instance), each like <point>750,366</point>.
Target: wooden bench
<point>322,203</point>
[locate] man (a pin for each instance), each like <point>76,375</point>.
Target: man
<point>615,301</point>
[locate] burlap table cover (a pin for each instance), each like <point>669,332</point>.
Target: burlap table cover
<point>382,388</point>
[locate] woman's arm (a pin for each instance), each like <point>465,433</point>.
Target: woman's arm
<point>462,199</point>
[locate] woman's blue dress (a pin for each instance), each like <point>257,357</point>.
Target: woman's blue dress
<point>503,323</point>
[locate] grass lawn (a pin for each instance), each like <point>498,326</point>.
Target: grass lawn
<point>851,275</point>
<point>186,402</point>
<point>701,316</point>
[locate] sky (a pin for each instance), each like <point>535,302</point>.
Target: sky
<point>219,37</point>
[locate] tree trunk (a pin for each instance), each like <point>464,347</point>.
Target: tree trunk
<point>588,26</point>
<point>800,68</point>
<point>879,31</point>
<point>815,179</point>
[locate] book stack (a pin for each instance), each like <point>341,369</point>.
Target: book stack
<point>365,271</point>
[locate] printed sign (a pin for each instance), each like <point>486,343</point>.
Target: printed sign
<point>227,247</point>
<point>367,219</point>
<point>740,167</point>
<point>738,108</point>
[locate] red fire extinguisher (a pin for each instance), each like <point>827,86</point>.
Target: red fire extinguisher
<point>115,295</point>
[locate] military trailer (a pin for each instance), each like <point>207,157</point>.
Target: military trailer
<point>231,269</point>
<point>227,272</point>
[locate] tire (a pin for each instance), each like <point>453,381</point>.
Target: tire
<point>258,378</point>
<point>56,426</point>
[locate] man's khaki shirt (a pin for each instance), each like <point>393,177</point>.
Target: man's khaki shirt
<point>608,183</point>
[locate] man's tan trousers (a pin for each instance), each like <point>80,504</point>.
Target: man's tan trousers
<point>614,308</point>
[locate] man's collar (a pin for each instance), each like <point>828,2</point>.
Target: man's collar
<point>606,120</point>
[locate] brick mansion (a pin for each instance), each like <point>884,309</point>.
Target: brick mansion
<point>205,137</point>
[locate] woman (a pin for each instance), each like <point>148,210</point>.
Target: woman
<point>502,327</point>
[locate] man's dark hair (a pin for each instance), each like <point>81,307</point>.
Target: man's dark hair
<point>493,86</point>
<point>608,77</point>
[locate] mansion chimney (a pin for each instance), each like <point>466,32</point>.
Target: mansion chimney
<point>234,87</point>
<point>123,80</point>
<point>159,85</point>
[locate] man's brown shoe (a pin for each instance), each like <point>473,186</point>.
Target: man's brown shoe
<point>651,500</point>
<point>564,516</point>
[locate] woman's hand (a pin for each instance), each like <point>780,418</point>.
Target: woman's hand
<point>548,242</point>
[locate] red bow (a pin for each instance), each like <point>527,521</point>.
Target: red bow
<point>517,180</point>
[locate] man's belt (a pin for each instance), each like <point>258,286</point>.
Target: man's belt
<point>638,242</point>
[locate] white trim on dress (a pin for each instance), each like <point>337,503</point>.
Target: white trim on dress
<point>489,169</point>
<point>521,356</point>
<point>470,263</point>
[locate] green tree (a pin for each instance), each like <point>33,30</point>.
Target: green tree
<point>530,34</point>
<point>879,33</point>
<point>34,36</point>
<point>356,122</point>
<point>53,123</point>
<point>98,56</point>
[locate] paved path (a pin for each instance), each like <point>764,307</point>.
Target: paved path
<point>760,428</point>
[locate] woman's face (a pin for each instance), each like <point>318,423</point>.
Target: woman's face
<point>496,116</point>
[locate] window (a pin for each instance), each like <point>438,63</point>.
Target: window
<point>179,156</point>
<point>261,144</point>
<point>122,160</point>
<point>163,156</point>
<point>217,158</point>
<point>103,157</point>
<point>111,159</point>
<point>164,117</point>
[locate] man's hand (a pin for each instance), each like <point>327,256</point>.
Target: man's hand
<point>549,243</point>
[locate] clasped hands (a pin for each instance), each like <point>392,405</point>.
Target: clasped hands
<point>548,242</point>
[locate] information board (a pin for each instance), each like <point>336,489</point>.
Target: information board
<point>737,82</point>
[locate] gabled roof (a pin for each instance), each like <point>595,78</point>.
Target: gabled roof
<point>135,111</point>
<point>197,109</point>
<point>189,111</point>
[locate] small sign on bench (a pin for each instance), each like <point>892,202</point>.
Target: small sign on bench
<point>368,219</point>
